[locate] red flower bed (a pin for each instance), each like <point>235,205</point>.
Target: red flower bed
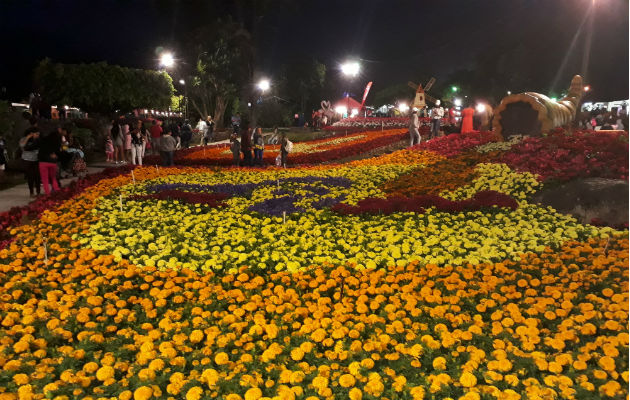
<point>209,199</point>
<point>483,199</point>
<point>561,156</point>
<point>456,143</point>
<point>15,215</point>
<point>196,156</point>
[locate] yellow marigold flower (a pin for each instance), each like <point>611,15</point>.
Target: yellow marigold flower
<point>347,380</point>
<point>468,380</point>
<point>439,363</point>
<point>355,394</point>
<point>607,363</point>
<point>221,358</point>
<point>20,379</point>
<point>297,354</point>
<point>253,394</point>
<point>611,388</point>
<point>194,393</point>
<point>318,335</point>
<point>105,373</point>
<point>555,367</point>
<point>90,367</point>
<point>367,363</point>
<point>143,393</point>
<point>196,336</point>
<point>320,382</point>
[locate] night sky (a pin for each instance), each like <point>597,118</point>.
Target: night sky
<point>396,40</point>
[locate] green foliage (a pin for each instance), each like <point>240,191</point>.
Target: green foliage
<point>302,83</point>
<point>85,137</point>
<point>392,94</point>
<point>103,88</point>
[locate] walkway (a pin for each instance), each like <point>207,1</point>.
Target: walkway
<point>19,195</point>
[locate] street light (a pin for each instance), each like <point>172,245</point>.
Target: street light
<point>182,82</point>
<point>264,85</point>
<point>350,68</point>
<point>403,107</point>
<point>587,88</point>
<point>481,108</point>
<point>454,88</point>
<point>167,60</point>
<point>457,102</point>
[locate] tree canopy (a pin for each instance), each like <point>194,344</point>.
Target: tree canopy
<point>100,87</point>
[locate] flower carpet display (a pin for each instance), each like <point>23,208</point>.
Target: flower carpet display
<point>315,151</point>
<point>320,282</point>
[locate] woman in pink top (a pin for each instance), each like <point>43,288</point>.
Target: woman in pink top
<point>126,141</point>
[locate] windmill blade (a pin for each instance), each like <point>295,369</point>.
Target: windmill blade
<point>429,84</point>
<point>412,85</point>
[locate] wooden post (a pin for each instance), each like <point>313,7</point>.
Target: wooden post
<point>133,177</point>
<point>284,217</point>
<point>120,202</point>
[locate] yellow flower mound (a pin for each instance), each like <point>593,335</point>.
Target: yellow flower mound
<point>500,178</point>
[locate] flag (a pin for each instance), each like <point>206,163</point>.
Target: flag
<point>367,90</point>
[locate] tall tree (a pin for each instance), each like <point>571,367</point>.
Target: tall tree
<point>220,67</point>
<point>302,83</point>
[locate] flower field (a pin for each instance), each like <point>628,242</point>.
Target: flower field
<point>311,152</point>
<point>426,273</point>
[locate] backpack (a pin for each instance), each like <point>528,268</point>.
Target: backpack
<point>289,146</point>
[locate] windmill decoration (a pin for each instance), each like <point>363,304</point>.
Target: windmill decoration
<point>419,101</point>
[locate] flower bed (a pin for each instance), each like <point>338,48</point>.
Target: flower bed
<point>561,157</point>
<point>247,284</point>
<point>455,144</point>
<point>379,123</point>
<point>311,152</point>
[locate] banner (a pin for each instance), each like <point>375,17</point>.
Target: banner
<point>367,90</point>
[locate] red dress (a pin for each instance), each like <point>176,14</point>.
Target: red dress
<point>467,119</point>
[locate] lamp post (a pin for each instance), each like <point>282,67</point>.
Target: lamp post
<point>183,83</point>
<point>351,70</point>
<point>167,60</point>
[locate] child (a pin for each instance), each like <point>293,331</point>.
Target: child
<point>109,149</point>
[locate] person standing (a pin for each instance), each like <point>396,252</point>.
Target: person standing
<point>210,131</point>
<point>167,147</point>
<point>236,122</point>
<point>30,150</point>
<point>467,119</point>
<point>235,146</point>
<point>124,128</point>
<point>137,146</point>
<point>118,142</point>
<point>246,146</point>
<point>437,113</point>
<point>48,156</point>
<point>259,146</point>
<point>414,128</point>
<point>284,150</point>
<point>186,134</point>
<point>156,132</point>
<point>202,128</point>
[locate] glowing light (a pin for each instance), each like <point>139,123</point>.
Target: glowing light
<point>341,109</point>
<point>509,93</point>
<point>351,68</point>
<point>182,82</point>
<point>264,85</point>
<point>587,88</point>
<point>457,102</point>
<point>554,99</point>
<point>403,107</point>
<point>480,108</point>
<point>454,88</point>
<point>167,60</point>
<point>355,111</point>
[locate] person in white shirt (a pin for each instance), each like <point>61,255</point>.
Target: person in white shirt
<point>202,128</point>
<point>437,113</point>
<point>414,128</point>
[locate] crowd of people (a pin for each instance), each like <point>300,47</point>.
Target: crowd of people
<point>45,157</point>
<point>251,144</point>
<point>602,119</point>
<point>125,145</point>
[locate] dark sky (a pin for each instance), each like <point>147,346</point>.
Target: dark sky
<point>397,40</point>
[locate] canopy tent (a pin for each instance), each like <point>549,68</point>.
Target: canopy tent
<point>343,105</point>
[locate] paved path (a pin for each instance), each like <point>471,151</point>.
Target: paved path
<point>19,195</point>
